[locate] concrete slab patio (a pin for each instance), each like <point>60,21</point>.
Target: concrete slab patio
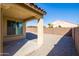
<point>25,45</point>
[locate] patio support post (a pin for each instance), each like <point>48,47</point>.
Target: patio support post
<point>40,32</point>
<point>1,38</point>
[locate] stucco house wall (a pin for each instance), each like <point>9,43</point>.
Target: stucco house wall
<point>9,37</point>
<point>0,32</point>
<point>22,12</point>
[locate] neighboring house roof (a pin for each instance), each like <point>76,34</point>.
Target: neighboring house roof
<point>63,24</point>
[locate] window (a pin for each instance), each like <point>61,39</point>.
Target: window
<point>14,28</point>
<point>19,27</point>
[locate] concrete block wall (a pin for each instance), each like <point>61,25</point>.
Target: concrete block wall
<point>75,35</point>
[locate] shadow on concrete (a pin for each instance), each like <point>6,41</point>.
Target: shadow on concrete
<point>11,47</point>
<point>31,36</point>
<point>65,47</point>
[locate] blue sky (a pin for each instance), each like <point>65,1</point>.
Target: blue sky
<point>59,11</point>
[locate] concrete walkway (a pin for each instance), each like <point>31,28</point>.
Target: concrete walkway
<point>55,45</point>
<point>65,47</point>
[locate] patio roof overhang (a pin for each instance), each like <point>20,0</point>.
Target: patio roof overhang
<point>22,11</point>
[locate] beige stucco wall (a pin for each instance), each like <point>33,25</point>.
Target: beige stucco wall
<point>75,34</point>
<point>40,32</point>
<point>0,29</point>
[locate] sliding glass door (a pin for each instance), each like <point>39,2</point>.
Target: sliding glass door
<point>14,28</point>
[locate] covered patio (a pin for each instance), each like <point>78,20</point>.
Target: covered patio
<point>13,28</point>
